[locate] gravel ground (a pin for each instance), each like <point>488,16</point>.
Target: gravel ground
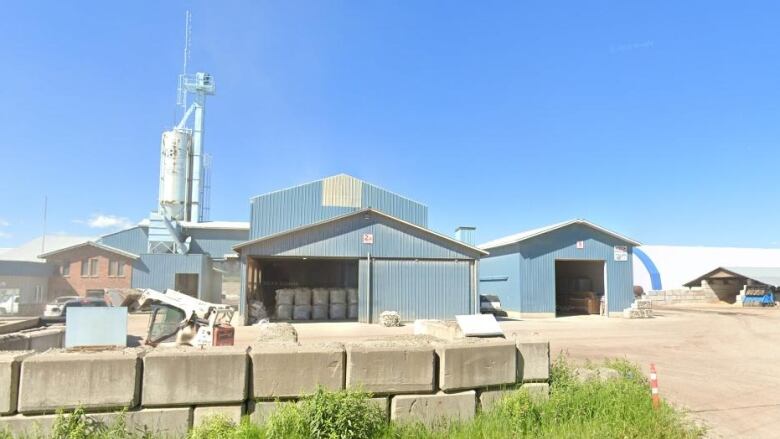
<point>719,362</point>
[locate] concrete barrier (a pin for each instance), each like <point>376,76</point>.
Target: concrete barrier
<point>10,364</point>
<point>192,376</point>
<point>476,363</point>
<point>92,380</point>
<point>391,367</point>
<point>13,324</point>
<point>230,412</point>
<point>45,339</point>
<point>533,361</point>
<point>538,392</point>
<point>403,373</point>
<point>289,370</point>
<point>260,411</point>
<point>430,409</point>
<point>15,342</point>
<point>167,422</point>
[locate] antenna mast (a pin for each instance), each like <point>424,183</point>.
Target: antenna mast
<point>181,99</point>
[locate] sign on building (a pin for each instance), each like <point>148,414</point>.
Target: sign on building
<point>621,253</point>
<point>368,238</point>
<point>580,245</point>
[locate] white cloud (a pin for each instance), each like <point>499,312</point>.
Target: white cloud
<point>101,221</point>
<point>4,223</point>
<point>4,235</point>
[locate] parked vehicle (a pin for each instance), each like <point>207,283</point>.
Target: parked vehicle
<point>54,309</point>
<point>9,304</point>
<point>79,303</point>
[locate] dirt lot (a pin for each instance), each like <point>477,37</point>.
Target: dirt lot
<point>719,362</point>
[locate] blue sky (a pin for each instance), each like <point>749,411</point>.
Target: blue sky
<point>659,121</point>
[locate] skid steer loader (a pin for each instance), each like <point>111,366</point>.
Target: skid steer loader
<point>177,319</point>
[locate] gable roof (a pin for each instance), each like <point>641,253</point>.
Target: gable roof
<point>91,244</point>
<point>765,275</point>
<point>357,213</point>
<point>30,250</point>
<point>528,234</point>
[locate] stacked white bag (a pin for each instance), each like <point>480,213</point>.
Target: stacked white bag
<point>302,310</point>
<point>285,298</point>
<point>338,304</point>
<point>320,298</point>
<point>352,303</point>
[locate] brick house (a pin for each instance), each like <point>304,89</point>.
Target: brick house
<point>88,269</point>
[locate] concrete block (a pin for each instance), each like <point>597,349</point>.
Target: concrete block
<point>260,411</point>
<point>170,422</point>
<point>383,403</point>
<point>289,370</point>
<point>446,330</point>
<point>488,399</point>
<point>433,409</point>
<point>20,324</point>
<point>10,364</point>
<point>194,376</point>
<point>391,367</point>
<point>15,342</point>
<point>27,426</point>
<point>43,340</point>
<point>91,380</point>
<point>230,412</point>
<point>533,361</point>
<point>476,363</point>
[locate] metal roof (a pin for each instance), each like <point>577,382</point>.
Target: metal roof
<point>30,250</point>
<point>361,212</point>
<point>91,244</point>
<point>765,275</point>
<point>528,234</point>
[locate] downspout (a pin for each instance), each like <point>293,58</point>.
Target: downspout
<point>368,286</point>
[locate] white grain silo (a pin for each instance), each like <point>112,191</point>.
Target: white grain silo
<point>175,149</point>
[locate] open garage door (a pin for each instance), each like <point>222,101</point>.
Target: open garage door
<point>579,287</point>
<point>304,289</point>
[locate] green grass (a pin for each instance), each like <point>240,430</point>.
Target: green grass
<point>619,408</point>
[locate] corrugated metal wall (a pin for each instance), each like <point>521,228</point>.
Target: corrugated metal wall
<point>134,240</point>
<point>499,274</point>
<point>344,239</point>
<point>27,286</point>
<point>418,289</point>
<point>158,271</point>
<point>27,268</point>
<point>215,242</point>
<point>314,202</point>
<point>536,292</point>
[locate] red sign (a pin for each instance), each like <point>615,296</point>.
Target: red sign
<point>368,238</point>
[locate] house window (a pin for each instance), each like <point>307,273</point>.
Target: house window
<point>116,268</point>
<point>65,269</point>
<point>38,294</point>
<point>89,267</point>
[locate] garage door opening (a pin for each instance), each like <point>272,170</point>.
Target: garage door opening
<point>302,289</point>
<point>579,287</point>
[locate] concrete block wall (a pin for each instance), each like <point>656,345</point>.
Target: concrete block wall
<point>170,390</point>
<point>683,295</point>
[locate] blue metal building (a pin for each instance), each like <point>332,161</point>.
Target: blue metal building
<point>530,271</point>
<point>199,272</point>
<point>343,232</point>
